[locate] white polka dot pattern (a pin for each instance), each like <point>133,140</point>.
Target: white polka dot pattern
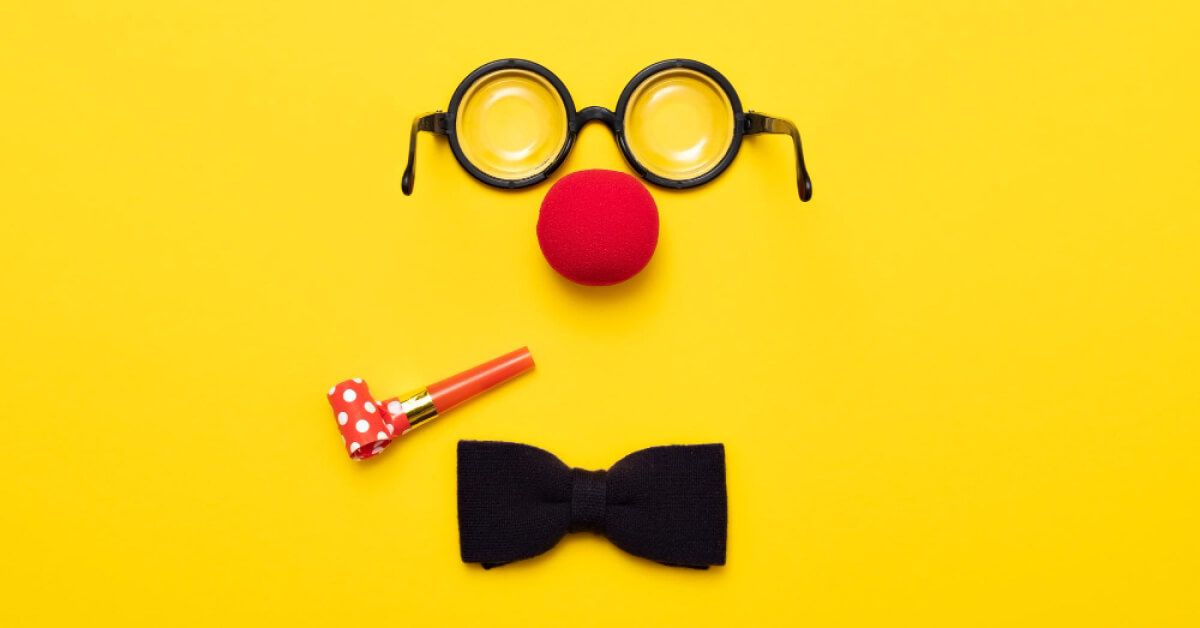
<point>359,420</point>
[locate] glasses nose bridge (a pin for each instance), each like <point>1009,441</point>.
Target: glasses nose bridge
<point>595,113</point>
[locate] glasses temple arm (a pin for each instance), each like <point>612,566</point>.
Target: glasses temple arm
<point>432,122</point>
<point>759,123</point>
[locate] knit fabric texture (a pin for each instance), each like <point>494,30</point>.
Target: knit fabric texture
<point>667,504</point>
<point>598,227</point>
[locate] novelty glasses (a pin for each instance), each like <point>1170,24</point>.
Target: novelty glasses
<point>679,123</point>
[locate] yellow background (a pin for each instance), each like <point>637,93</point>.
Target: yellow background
<point>958,388</point>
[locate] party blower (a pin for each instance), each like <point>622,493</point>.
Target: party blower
<point>369,426</point>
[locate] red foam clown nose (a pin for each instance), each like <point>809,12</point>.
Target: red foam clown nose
<point>598,227</point>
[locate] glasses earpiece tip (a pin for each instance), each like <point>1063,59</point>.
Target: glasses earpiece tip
<point>806,190</point>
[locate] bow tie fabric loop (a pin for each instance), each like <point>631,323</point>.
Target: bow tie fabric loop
<point>667,504</point>
<point>589,490</point>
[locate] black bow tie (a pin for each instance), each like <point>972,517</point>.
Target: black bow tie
<point>666,504</point>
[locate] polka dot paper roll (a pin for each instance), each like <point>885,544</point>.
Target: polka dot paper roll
<point>367,426</point>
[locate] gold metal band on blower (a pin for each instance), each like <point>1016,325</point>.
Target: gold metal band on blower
<point>418,408</point>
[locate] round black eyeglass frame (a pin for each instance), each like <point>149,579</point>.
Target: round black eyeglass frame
<point>744,123</point>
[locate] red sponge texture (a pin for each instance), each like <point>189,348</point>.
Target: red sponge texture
<point>598,227</point>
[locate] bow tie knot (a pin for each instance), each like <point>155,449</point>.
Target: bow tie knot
<point>589,492</point>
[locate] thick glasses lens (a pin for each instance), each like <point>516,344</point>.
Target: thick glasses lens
<point>511,124</point>
<point>679,124</point>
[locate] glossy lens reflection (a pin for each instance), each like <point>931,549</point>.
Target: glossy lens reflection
<point>511,124</point>
<point>679,124</point>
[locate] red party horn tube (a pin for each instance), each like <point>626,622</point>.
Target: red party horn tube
<point>369,426</point>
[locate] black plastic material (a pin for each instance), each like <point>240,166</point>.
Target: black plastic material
<point>744,124</point>
<point>587,114</point>
<point>734,101</point>
<point>759,123</point>
<point>434,123</point>
<point>452,117</point>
